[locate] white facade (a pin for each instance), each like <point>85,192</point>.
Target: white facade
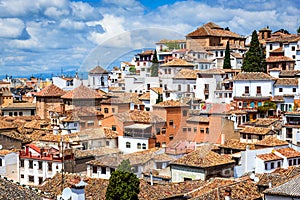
<point>239,88</point>
<point>99,171</point>
<point>136,84</point>
<point>131,144</point>
<point>9,165</point>
<point>66,83</point>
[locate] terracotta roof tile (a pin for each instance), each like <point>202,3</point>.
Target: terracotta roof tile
<point>186,74</point>
<point>82,92</point>
<point>5,92</point>
<point>51,91</point>
<point>139,116</point>
<point>236,144</point>
<point>198,119</point>
<point>171,103</point>
<point>289,73</point>
<point>157,90</point>
<point>271,141</point>
<point>278,50</point>
<point>256,130</point>
<point>99,152</point>
<point>177,62</point>
<point>288,152</point>
<point>203,158</point>
<point>269,157</point>
<point>98,70</point>
<point>278,59</point>
<point>286,81</point>
<point>253,76</point>
<point>163,41</point>
<point>145,96</point>
<point>4,152</point>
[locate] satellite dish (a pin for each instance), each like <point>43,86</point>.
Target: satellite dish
<point>66,194</point>
<point>256,179</point>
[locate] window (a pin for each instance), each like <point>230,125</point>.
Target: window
<point>157,144</point>
<point>207,130</point>
<point>246,89</point>
<point>184,113</point>
<point>290,162</point>
<point>31,178</point>
<point>103,170</point>
<point>167,94</point>
<point>189,129</point>
<point>127,145</point>
<point>266,166</point>
<point>49,166</point>
<point>157,131</point>
<point>139,146</point>
<point>294,162</point>
<point>244,136</point>
<point>179,87</point>
<point>107,143</point>
<point>113,110</point>
<point>201,130</point>
<point>294,89</point>
<point>272,165</point>
<point>40,164</point>
<point>144,146</point>
<point>258,90</point>
<point>280,89</point>
<point>95,169</point>
<point>1,162</point>
<point>195,129</point>
<point>22,175</point>
<point>293,48</point>
<point>105,110</point>
<point>184,129</point>
<point>271,46</point>
<point>158,165</point>
<point>30,164</point>
<point>40,180</point>
<point>113,128</point>
<point>278,164</point>
<point>163,130</point>
<point>112,170</point>
<point>10,113</point>
<point>171,137</point>
<point>171,122</point>
<point>20,113</point>
<point>22,163</point>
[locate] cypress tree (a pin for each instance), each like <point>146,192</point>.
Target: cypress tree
<point>154,66</point>
<point>226,63</point>
<point>254,60</point>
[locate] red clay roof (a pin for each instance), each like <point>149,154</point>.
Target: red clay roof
<point>82,92</point>
<point>51,91</point>
<point>279,59</point>
<point>98,70</point>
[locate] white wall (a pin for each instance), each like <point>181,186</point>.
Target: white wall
<point>239,87</point>
<point>133,144</point>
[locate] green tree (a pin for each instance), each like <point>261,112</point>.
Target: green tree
<point>124,166</point>
<point>254,60</point>
<point>154,66</point>
<point>123,184</point>
<point>226,63</point>
<point>159,98</point>
<point>268,105</point>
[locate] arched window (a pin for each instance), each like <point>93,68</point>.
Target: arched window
<point>139,146</point>
<point>127,144</point>
<point>144,146</point>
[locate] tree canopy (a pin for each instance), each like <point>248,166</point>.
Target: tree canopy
<point>154,66</point>
<point>123,184</point>
<point>254,60</point>
<point>227,64</point>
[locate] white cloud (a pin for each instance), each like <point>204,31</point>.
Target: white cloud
<point>11,27</point>
<point>55,12</point>
<point>70,24</point>
<point>83,10</point>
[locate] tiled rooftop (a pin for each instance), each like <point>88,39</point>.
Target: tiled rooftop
<point>288,152</point>
<point>145,96</point>
<point>272,59</point>
<point>139,116</point>
<point>82,92</point>
<point>289,73</point>
<point>171,103</point>
<point>198,119</point>
<point>98,70</point>
<point>271,141</point>
<point>286,81</point>
<point>256,130</point>
<point>235,144</point>
<point>203,158</point>
<point>51,91</point>
<point>19,106</point>
<point>269,157</point>
<point>157,90</point>
<point>177,62</point>
<point>253,76</point>
<point>186,74</point>
<point>265,122</point>
<point>99,152</point>
<point>289,189</point>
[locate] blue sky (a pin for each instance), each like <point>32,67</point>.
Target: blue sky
<point>44,36</point>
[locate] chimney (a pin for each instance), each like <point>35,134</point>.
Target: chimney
<point>151,177</point>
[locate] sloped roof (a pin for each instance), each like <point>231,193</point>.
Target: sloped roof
<point>139,116</point>
<point>286,81</point>
<point>82,92</point>
<point>203,158</point>
<point>278,59</point>
<point>157,90</point>
<point>177,62</point>
<point>271,141</point>
<point>235,144</point>
<point>253,76</point>
<point>145,96</point>
<point>170,103</point>
<point>98,70</point>
<point>256,130</point>
<point>288,152</point>
<point>212,29</point>
<point>289,189</point>
<point>186,74</point>
<point>278,50</point>
<point>269,157</point>
<point>5,92</point>
<point>51,91</point>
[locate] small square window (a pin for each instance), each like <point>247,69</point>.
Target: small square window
<point>171,122</point>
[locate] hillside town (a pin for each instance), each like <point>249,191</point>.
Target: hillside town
<point>189,127</point>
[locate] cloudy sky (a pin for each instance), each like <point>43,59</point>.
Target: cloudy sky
<point>38,36</point>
